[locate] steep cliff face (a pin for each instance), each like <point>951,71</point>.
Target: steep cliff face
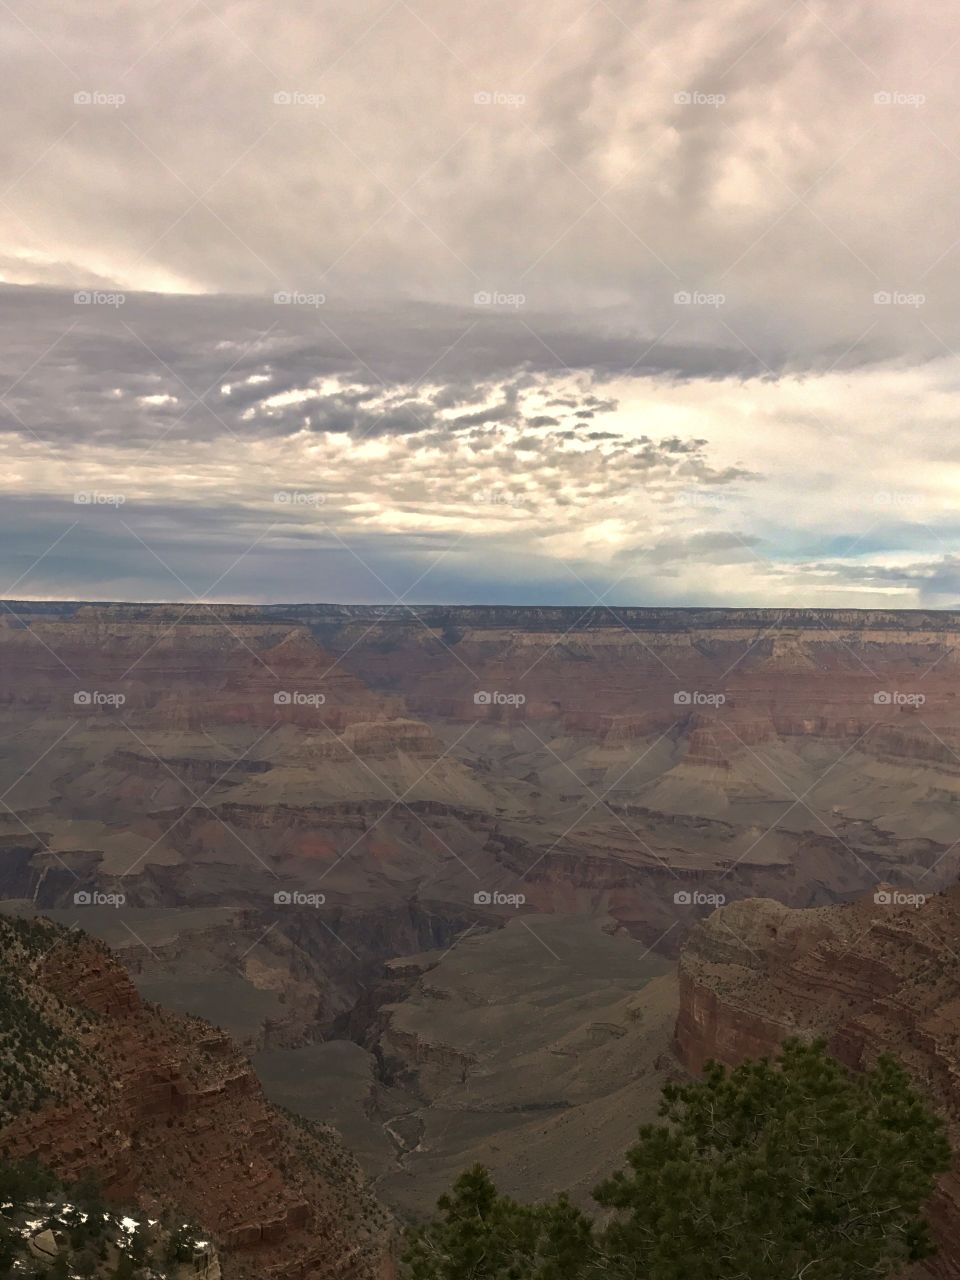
<point>878,976</point>
<point>166,1113</point>
<point>180,672</point>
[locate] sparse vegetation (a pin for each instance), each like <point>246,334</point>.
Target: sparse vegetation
<point>159,1105</point>
<point>40,1055</point>
<point>767,1172</point>
<point>49,1231</point>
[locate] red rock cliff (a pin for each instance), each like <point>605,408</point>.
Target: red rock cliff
<point>164,1111</point>
<point>871,977</point>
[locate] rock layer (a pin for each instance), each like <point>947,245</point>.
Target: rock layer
<point>870,977</point>
<point>163,1111</point>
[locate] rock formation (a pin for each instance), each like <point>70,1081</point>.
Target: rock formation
<point>881,975</point>
<point>165,1113</point>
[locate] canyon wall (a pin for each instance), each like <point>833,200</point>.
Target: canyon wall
<point>165,1113</point>
<point>878,976</point>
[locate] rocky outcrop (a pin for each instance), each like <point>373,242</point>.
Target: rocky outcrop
<point>418,1051</point>
<point>166,1113</point>
<point>878,976</point>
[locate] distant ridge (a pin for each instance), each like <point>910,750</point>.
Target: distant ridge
<point>528,617</point>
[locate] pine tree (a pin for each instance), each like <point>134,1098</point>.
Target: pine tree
<point>481,1235</point>
<point>771,1171</point>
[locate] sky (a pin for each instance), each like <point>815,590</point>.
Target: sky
<point>578,303</point>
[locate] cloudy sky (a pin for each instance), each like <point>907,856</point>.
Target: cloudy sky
<point>493,302</point>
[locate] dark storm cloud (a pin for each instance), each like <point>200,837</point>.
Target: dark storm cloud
<point>934,579</point>
<point>152,551</point>
<point>151,367</point>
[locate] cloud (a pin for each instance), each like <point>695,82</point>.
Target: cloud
<point>187,367</point>
<point>266,459</point>
<point>154,452</point>
<point>780,158</point>
<point>658,302</point>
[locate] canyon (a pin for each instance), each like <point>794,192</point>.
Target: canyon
<point>433,868</point>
